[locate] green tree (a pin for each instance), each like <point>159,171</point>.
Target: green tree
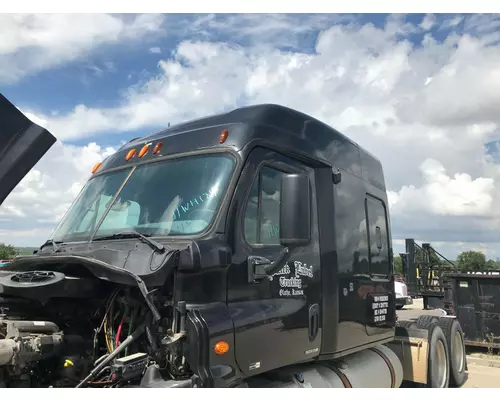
<point>491,264</point>
<point>472,261</point>
<point>398,265</point>
<point>7,251</point>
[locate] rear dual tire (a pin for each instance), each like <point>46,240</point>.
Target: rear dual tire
<point>458,359</point>
<point>447,358</point>
<point>438,367</point>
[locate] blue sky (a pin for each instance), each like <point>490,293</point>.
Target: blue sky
<point>104,73</point>
<point>419,91</point>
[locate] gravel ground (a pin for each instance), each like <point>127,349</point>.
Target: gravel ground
<point>482,377</point>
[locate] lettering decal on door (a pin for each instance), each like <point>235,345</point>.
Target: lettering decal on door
<point>292,284</point>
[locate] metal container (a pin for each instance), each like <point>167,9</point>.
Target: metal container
<point>474,298</point>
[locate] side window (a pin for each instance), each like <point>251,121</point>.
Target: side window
<point>262,215</point>
<point>378,238</point>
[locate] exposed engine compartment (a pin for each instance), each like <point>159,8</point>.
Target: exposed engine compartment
<point>58,330</point>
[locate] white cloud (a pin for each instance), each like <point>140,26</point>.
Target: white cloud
<point>425,110</point>
<point>262,30</point>
<point>463,91</point>
<point>155,50</point>
<point>43,196</point>
<point>459,195</point>
<point>451,22</point>
<point>428,22</point>
<point>34,42</point>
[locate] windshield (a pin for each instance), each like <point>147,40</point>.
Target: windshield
<point>175,197</point>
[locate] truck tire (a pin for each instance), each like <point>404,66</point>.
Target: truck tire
<point>438,375</point>
<point>407,324</point>
<point>424,321</point>
<point>458,358</point>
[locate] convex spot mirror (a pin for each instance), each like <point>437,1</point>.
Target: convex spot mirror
<point>295,210</point>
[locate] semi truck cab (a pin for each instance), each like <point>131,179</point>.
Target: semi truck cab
<point>247,249</point>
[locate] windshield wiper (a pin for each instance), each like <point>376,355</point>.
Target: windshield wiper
<point>152,243</point>
<point>53,243</point>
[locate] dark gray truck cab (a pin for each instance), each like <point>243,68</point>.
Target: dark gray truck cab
<point>250,242</point>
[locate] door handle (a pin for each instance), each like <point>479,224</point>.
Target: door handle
<point>313,321</point>
<point>256,268</point>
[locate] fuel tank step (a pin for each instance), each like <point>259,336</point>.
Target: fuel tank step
<point>377,367</point>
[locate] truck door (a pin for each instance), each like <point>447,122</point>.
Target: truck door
<point>277,319</point>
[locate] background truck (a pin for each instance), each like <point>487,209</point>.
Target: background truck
<point>423,269</point>
<point>247,249</point>
<point>402,296</point>
<point>472,296</point>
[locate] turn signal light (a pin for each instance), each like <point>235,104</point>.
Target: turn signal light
<point>130,154</point>
<point>221,347</point>
<point>96,167</point>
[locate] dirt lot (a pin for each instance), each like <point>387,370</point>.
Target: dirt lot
<point>484,370</point>
<point>483,377</point>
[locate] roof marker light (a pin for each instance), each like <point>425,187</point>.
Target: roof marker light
<point>223,136</point>
<point>143,151</point>
<point>96,167</point>
<point>130,154</point>
<point>157,147</point>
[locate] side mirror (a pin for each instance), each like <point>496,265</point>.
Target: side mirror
<point>295,214</point>
<point>295,226</point>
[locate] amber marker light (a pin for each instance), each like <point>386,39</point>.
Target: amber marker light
<point>143,151</point>
<point>130,154</point>
<point>96,167</point>
<point>157,147</point>
<point>221,347</point>
<point>223,136</point>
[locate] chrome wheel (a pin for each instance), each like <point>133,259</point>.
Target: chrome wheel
<point>441,368</point>
<point>458,350</point>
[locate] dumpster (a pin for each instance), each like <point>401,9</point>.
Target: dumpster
<point>474,298</point>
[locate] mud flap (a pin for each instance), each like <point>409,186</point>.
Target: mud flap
<point>412,348</point>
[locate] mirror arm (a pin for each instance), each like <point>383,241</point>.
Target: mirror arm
<point>279,263</point>
<point>261,268</point>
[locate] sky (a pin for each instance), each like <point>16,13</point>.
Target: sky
<point>420,92</point>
